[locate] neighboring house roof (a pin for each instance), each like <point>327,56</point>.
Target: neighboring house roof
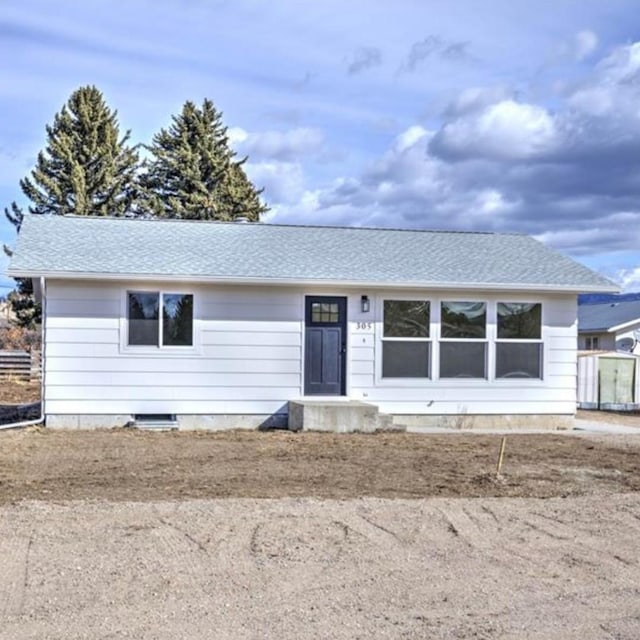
<point>608,316</point>
<point>73,247</point>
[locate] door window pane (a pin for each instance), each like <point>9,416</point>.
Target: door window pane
<point>463,360</point>
<point>405,359</point>
<point>325,312</point>
<point>463,319</point>
<point>519,320</point>
<point>406,319</point>
<point>144,319</point>
<point>177,320</point>
<point>519,360</point>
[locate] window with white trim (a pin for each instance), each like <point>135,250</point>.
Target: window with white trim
<point>463,339</point>
<point>519,340</point>
<point>406,345</point>
<point>158,319</point>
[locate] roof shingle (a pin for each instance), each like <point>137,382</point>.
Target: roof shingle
<point>68,246</point>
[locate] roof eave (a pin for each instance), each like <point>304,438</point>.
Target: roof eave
<point>624,325</point>
<point>138,277</point>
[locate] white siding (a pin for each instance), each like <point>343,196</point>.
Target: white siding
<point>247,357</point>
<point>249,353</point>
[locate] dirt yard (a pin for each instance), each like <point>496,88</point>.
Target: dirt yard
<point>122,464</point>
<point>279,535</point>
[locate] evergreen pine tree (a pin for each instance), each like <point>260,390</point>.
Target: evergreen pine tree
<point>193,174</point>
<point>86,168</point>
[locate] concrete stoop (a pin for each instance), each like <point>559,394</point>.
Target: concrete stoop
<point>339,416</point>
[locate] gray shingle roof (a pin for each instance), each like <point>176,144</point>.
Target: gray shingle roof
<point>604,316</point>
<point>72,246</point>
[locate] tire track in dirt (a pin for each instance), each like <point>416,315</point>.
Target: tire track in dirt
<point>14,560</point>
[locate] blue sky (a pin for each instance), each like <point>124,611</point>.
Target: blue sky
<point>505,115</point>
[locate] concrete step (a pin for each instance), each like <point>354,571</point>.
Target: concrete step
<point>338,416</point>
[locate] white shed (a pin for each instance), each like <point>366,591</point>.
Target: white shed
<point>608,380</point>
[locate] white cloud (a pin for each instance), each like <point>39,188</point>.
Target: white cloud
<point>280,145</point>
<point>629,279</point>
<point>283,182</point>
<point>475,99</point>
<point>614,87</point>
<point>409,138</point>
<point>505,130</point>
<point>492,202</point>
<point>584,44</point>
<point>237,135</point>
<point>622,65</point>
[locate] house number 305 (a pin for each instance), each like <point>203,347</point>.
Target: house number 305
<point>364,325</point>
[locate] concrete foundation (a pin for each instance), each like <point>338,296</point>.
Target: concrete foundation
<point>552,422</point>
<point>223,422</point>
<point>346,416</point>
<point>86,421</point>
<point>183,421</point>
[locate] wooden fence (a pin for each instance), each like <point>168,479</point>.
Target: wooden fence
<point>26,365</point>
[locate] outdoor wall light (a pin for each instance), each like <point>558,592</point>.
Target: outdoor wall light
<point>364,304</point>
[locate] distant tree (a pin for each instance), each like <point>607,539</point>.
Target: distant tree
<point>26,311</point>
<point>193,174</point>
<point>86,168</point>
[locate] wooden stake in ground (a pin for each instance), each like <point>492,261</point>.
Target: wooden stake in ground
<point>501,456</point>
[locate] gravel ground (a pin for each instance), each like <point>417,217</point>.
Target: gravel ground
<point>294,536</point>
<point>302,568</point>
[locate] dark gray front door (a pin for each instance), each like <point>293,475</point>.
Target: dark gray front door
<point>325,345</point>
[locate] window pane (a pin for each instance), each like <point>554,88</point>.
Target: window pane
<point>406,319</point>
<point>325,312</point>
<point>143,319</point>
<point>463,360</point>
<point>519,320</point>
<point>405,359</point>
<point>177,320</point>
<point>463,319</point>
<point>518,360</point>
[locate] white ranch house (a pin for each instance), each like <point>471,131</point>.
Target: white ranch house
<point>217,325</point>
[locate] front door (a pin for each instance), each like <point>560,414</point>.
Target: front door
<point>325,345</point>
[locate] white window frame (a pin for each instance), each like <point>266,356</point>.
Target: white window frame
<point>429,339</point>
<point>486,340</point>
<point>160,350</point>
<point>539,341</point>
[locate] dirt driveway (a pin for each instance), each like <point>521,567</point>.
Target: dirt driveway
<point>123,534</point>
